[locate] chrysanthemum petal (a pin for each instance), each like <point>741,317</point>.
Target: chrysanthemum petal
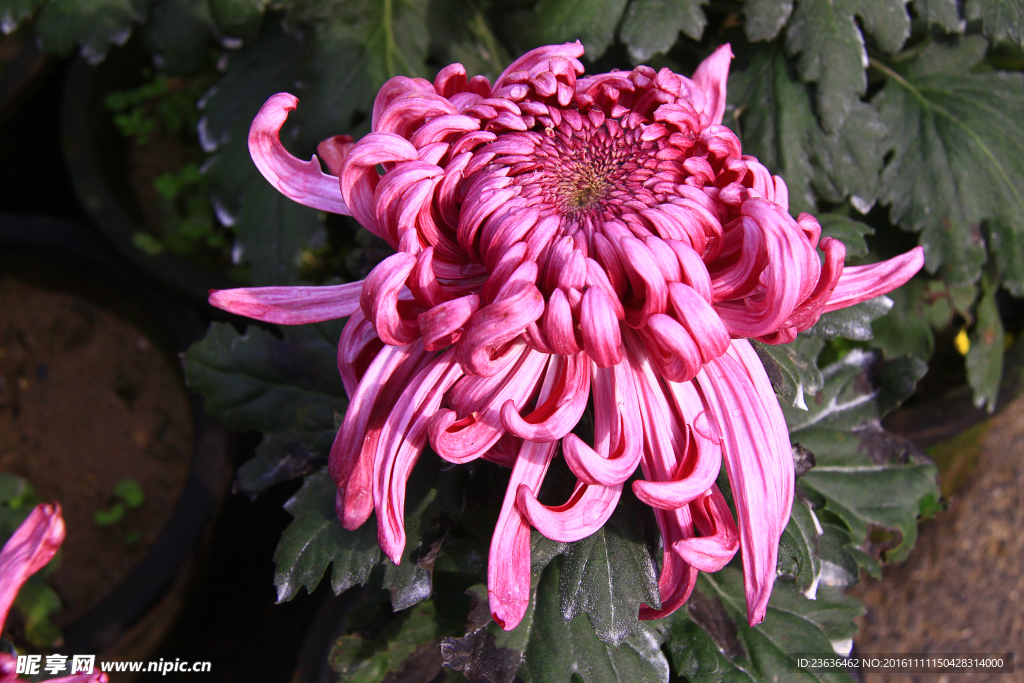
<point>27,551</point>
<point>711,75</point>
<point>508,563</point>
<point>586,511</point>
<point>860,283</point>
<point>758,459</point>
<point>290,305</point>
<point>401,442</point>
<point>719,539</point>
<point>302,181</point>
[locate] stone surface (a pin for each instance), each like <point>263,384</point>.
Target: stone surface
<point>962,590</point>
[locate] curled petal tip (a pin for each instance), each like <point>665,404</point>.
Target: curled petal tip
<point>301,181</point>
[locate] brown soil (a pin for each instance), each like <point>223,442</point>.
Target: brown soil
<point>962,590</point>
<point>85,401</point>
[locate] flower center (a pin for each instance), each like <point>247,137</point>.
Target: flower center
<point>584,191</point>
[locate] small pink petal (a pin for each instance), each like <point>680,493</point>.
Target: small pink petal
<point>719,539</point>
<point>712,75</point>
<point>27,551</point>
<point>555,417</point>
<point>508,563</point>
<point>860,283</point>
<point>302,181</point>
<point>290,305</point>
<point>586,511</point>
<point>759,461</point>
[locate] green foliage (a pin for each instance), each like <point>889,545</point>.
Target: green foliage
<point>256,381</point>
<point>95,26</point>
<point>793,376</point>
<point>651,27</point>
<point>985,358</point>
<point>592,22</point>
<point>954,136</point>
<point>315,540</point>
<point>611,573</point>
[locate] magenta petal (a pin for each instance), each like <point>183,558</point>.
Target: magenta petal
<point>719,539</point>
<point>290,305</point>
<point>555,417</point>
<point>618,431</point>
<point>677,578</point>
<point>401,441</point>
<point>759,460</point>
<point>27,551</point>
<point>712,75</point>
<point>586,511</point>
<point>351,459</point>
<point>860,283</point>
<point>508,563</point>
<point>302,181</point>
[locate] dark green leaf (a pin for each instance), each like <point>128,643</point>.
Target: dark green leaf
<point>357,46</point>
<point>954,136</point>
<point>592,22</point>
<point>272,232</point>
<point>359,659</point>
<point>765,18</point>
<point>848,231</point>
<point>555,650</point>
<point>793,376</point>
<point>1003,19</point>
<point>95,26</point>
<point>858,388</point>
<point>611,573</point>
<point>256,381</point>
<point>238,18</point>
<point>985,358</point>
<point>652,26</point>
<point>776,121</point>
<point>13,12</point>
<point>853,322</point>
<point>280,457</point>
<point>1007,247</point>
<point>831,51</point>
<point>941,12</point>
<point>178,33</point>
<point>875,482</point>
<point>271,229</point>
<point>459,32</point>
<point>798,548</point>
<point>716,644</point>
<point>831,48</point>
<point>315,539</point>
<point>906,330</point>
<point>317,426</point>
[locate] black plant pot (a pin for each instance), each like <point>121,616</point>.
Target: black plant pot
<point>75,259</point>
<point>96,156</point>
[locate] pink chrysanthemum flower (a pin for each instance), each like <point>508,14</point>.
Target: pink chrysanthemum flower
<point>561,237</point>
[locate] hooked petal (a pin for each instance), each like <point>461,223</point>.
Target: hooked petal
<point>302,181</point>
<point>586,511</point>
